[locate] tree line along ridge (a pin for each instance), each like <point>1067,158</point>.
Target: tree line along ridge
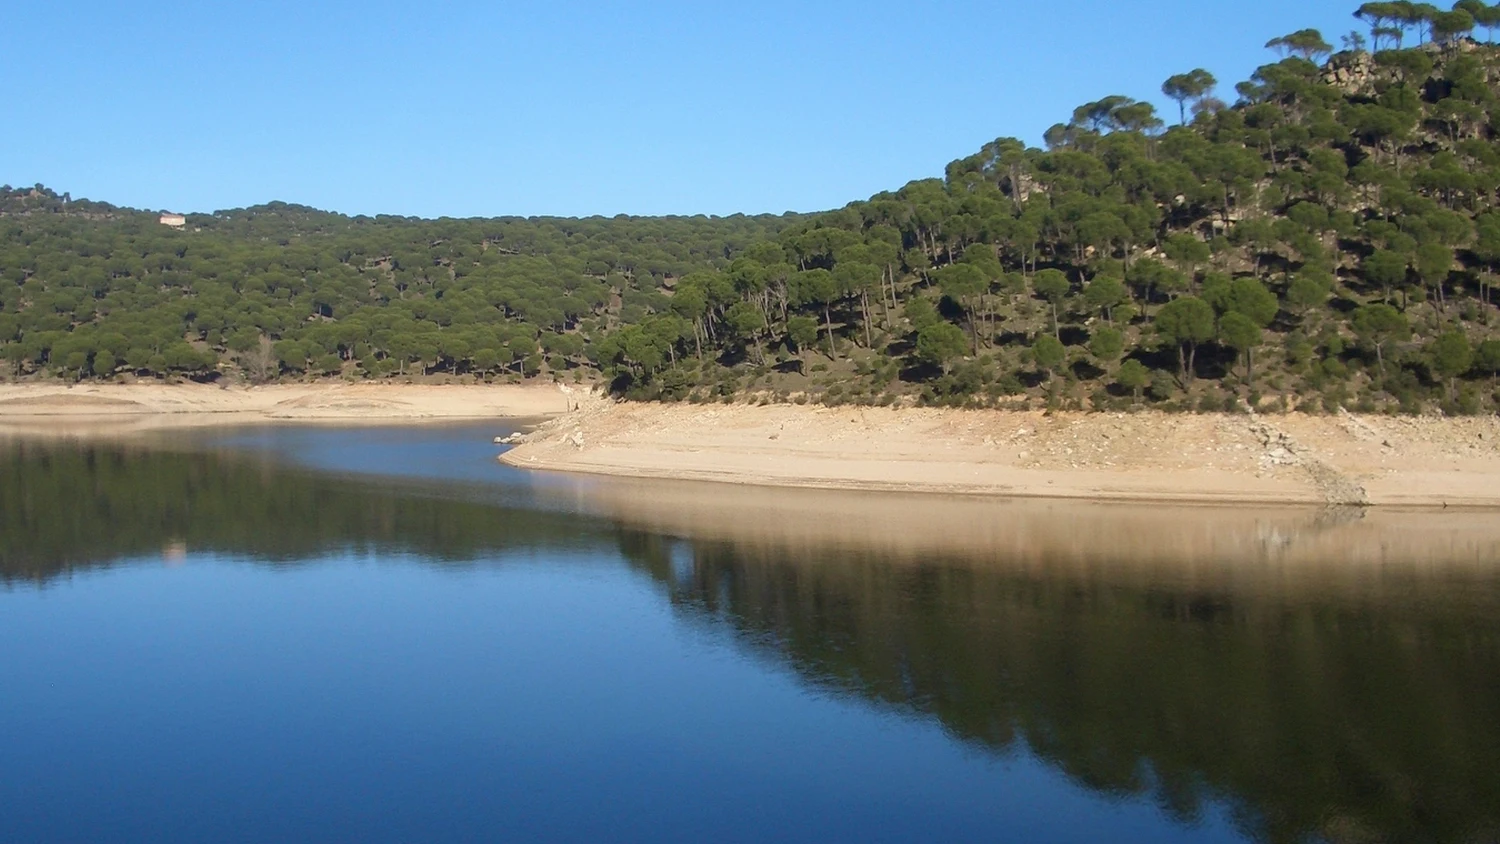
<point>1328,239</point>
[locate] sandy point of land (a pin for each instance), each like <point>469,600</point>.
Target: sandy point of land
<point>45,408</point>
<point>1291,459</point>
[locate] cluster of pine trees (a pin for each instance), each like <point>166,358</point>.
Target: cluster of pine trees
<point>1327,239</point>
<point>91,290</point>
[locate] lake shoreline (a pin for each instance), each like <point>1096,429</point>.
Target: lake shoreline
<point>1225,459</point>
<point>1230,459</point>
<point>90,409</point>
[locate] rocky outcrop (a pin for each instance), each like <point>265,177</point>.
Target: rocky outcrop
<point>1351,72</point>
<point>1336,488</point>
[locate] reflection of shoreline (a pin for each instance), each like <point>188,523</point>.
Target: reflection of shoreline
<point>1020,532</point>
<point>1322,670</point>
<point>1320,702</point>
<point>67,506</point>
<point>1330,703</point>
<point>1304,544</point>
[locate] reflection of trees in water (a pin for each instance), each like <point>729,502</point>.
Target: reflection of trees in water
<point>1361,713</point>
<point>63,508</point>
<point>1348,717</point>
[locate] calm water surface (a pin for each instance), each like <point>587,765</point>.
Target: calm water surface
<point>287,634</point>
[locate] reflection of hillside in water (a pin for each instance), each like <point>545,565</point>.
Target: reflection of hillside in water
<point>1054,532</point>
<point>1329,674</point>
<point>65,506</point>
<point>1350,697</point>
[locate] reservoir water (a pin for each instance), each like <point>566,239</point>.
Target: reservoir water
<point>382,634</point>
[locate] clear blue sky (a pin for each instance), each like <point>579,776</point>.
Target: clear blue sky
<point>488,108</point>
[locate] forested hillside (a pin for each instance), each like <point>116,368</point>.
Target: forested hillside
<point>1324,236</point>
<point>1326,241</point>
<point>278,291</point>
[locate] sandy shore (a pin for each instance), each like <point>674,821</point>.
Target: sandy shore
<point>1293,459</point>
<point>91,408</point>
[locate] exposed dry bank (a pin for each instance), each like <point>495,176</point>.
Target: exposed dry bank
<point>1343,459</point>
<point>39,408</point>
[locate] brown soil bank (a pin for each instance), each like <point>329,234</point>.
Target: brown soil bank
<point>1343,459</point>
<point>123,408</point>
